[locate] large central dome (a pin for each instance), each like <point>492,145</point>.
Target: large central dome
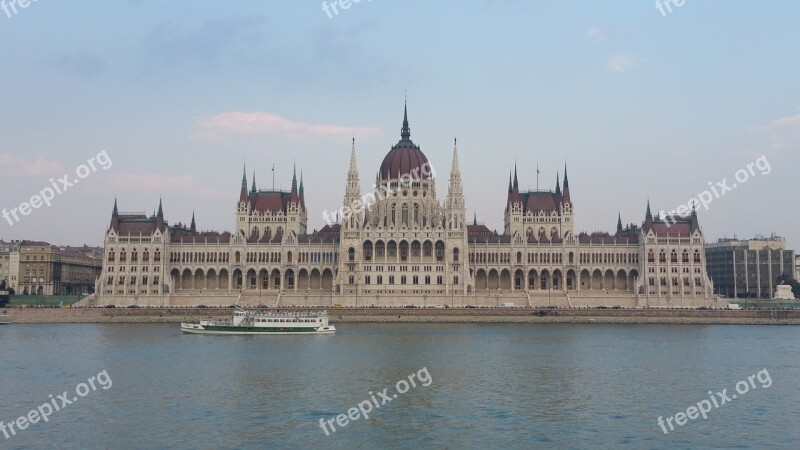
<point>405,158</point>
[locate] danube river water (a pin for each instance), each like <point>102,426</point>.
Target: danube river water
<point>490,386</point>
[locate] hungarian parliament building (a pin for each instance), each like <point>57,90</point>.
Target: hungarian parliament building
<point>400,245</point>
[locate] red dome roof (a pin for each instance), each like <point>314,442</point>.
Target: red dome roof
<point>405,158</point>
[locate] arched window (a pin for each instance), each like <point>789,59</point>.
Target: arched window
<point>697,258</point>
<point>439,250</point>
<point>351,254</point>
<point>673,256</point>
<point>405,214</point>
<point>455,255</point>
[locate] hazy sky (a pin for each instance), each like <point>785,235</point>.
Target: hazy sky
<point>181,93</point>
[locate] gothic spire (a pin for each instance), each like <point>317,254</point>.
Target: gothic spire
<point>160,214</point>
<point>253,189</point>
<point>115,212</point>
<point>193,226</point>
<point>244,177</point>
<point>558,184</point>
<point>619,223</point>
<point>566,197</point>
<point>516,182</point>
<point>648,216</point>
<point>301,181</point>
<point>405,133</point>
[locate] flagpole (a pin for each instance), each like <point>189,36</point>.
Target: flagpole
<point>537,178</point>
<point>273,176</point>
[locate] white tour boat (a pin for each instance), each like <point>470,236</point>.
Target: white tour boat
<point>264,322</point>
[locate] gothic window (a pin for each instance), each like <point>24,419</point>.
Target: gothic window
<point>439,250</point>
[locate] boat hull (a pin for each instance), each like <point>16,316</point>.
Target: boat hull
<point>234,330</point>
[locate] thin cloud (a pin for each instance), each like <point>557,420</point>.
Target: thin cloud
<point>39,167</point>
<point>161,183</point>
<point>782,133</point>
<point>232,124</point>
<point>620,62</point>
<point>595,34</point>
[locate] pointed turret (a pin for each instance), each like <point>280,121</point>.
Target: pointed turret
<point>648,217</point>
<point>455,192</point>
<point>243,192</point>
<point>160,214</point>
<point>516,181</point>
<point>619,223</point>
<point>567,198</point>
<point>558,185</point>
<point>510,184</point>
<point>352,192</point>
<point>302,194</point>
<point>294,197</point>
<point>475,218</point>
<point>253,189</point>
<point>193,226</point>
<point>115,216</point>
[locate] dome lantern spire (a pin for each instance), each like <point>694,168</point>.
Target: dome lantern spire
<point>405,133</point>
